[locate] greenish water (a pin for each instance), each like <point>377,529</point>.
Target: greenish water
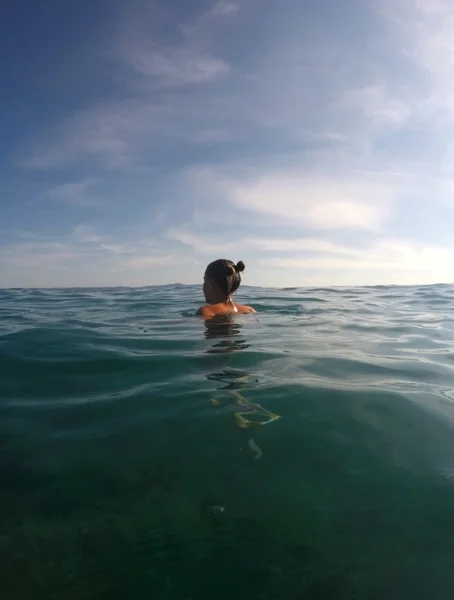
<point>121,480</point>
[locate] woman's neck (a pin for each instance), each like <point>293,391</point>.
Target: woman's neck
<point>230,302</point>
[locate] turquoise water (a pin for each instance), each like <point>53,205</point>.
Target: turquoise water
<point>121,479</point>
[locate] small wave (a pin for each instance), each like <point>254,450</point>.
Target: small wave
<point>112,452</point>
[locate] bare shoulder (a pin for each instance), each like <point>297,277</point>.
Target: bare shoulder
<point>245,309</point>
<point>205,311</point>
<point>211,310</point>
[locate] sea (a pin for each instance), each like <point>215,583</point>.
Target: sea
<point>304,452</point>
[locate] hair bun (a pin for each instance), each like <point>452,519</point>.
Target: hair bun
<point>240,266</point>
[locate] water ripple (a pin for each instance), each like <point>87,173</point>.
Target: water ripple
<point>113,454</point>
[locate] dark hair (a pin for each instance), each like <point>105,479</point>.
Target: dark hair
<point>226,274</point>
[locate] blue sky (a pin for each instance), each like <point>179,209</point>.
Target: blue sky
<point>142,139</point>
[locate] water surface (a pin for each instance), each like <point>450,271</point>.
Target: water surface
<point>121,479</point>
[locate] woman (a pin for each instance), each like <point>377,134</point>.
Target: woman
<point>222,278</point>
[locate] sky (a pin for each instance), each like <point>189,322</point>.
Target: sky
<point>140,140</point>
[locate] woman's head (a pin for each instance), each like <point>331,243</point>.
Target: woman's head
<point>222,278</point>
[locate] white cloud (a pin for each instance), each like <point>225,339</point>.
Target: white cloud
<point>115,248</point>
<point>146,262</point>
<point>375,103</point>
<point>225,8</point>
<point>173,67</point>
<point>183,63</point>
<point>210,244</point>
<point>167,101</point>
<point>320,261</point>
<point>34,255</point>
<point>83,233</point>
<point>302,245</point>
<point>332,137</point>
<point>207,24</point>
<point>76,193</point>
<point>86,254</point>
<point>289,85</point>
<point>152,110</point>
<point>387,262</point>
<point>201,243</point>
<point>316,201</point>
<point>96,132</point>
<point>270,260</point>
<point>424,32</point>
<point>119,134</point>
